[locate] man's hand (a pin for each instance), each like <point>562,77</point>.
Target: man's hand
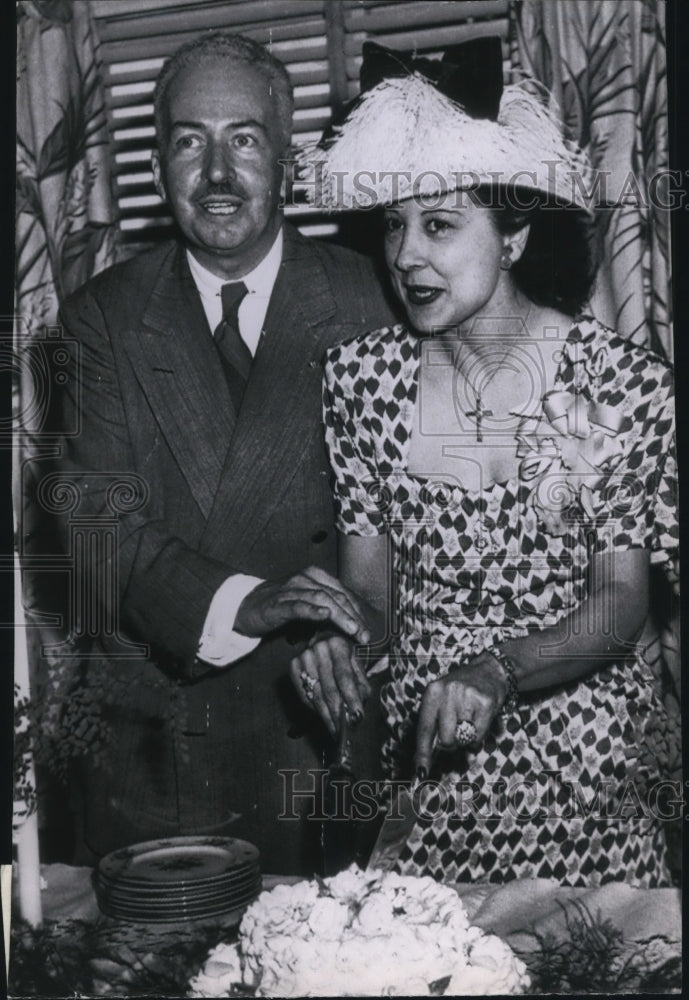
<point>311,595</point>
<point>327,676</point>
<point>473,693</point>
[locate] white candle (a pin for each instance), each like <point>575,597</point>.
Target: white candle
<point>29,872</point>
<point>6,890</point>
<point>26,836</point>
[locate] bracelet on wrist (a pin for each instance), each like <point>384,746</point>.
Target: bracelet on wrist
<point>510,702</point>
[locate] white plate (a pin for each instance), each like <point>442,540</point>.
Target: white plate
<point>180,861</point>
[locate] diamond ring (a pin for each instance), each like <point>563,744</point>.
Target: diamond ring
<point>466,733</point>
<point>308,683</point>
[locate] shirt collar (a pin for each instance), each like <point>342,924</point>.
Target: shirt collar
<point>258,281</point>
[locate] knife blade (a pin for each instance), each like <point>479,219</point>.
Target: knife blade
<point>397,826</point>
<point>342,764</point>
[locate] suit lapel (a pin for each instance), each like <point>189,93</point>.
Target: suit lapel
<point>276,419</point>
<point>176,363</point>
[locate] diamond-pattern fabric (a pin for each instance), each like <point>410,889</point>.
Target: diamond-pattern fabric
<point>474,569</point>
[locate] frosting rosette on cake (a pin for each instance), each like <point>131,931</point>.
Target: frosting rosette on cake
<point>360,934</point>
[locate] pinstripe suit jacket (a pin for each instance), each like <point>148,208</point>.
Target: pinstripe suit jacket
<point>219,493</point>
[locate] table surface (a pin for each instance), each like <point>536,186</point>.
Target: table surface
<point>521,912</point>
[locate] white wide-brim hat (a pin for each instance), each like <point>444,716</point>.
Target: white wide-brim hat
<point>405,138</point>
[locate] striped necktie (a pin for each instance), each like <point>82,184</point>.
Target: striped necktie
<point>235,355</point>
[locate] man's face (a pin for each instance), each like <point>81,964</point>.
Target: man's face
<point>218,164</point>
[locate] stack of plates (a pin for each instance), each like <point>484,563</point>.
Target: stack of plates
<point>177,879</point>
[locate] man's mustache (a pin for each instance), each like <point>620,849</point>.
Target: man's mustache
<point>222,188</point>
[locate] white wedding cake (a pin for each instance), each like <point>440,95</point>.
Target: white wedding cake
<point>360,934</point>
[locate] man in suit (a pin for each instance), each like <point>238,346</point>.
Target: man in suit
<point>226,535</point>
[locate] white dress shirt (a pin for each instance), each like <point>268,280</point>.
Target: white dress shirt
<point>220,644</point>
<point>254,306</point>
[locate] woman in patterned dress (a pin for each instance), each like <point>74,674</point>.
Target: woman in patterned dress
<point>506,463</point>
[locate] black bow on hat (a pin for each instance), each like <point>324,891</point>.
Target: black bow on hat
<point>469,73</point>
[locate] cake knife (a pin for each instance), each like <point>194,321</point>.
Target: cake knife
<point>397,826</point>
<point>342,765</point>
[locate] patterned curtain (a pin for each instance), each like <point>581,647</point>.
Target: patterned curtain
<point>65,233</point>
<point>604,60</point>
<point>65,214</point>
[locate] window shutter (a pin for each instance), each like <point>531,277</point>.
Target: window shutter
<point>424,28</point>
<point>319,41</point>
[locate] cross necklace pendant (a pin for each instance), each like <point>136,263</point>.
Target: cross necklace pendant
<point>478,388</point>
<point>490,370</point>
<point>478,413</point>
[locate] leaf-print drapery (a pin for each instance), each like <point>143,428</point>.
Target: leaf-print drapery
<point>604,60</point>
<point>65,214</point>
<point>65,233</point>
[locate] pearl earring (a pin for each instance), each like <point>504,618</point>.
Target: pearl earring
<point>506,258</point>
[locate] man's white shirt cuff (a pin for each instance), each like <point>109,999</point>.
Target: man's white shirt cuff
<point>220,644</point>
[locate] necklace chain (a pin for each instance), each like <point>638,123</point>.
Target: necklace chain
<point>479,412</point>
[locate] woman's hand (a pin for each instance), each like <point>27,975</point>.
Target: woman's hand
<point>474,692</point>
<point>328,676</point>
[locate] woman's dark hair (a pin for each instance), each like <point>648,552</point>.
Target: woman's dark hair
<point>559,263</point>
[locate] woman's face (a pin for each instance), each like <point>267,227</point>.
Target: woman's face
<point>444,261</point>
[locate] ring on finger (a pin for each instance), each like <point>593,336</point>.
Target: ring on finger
<point>308,683</point>
<point>466,733</point>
